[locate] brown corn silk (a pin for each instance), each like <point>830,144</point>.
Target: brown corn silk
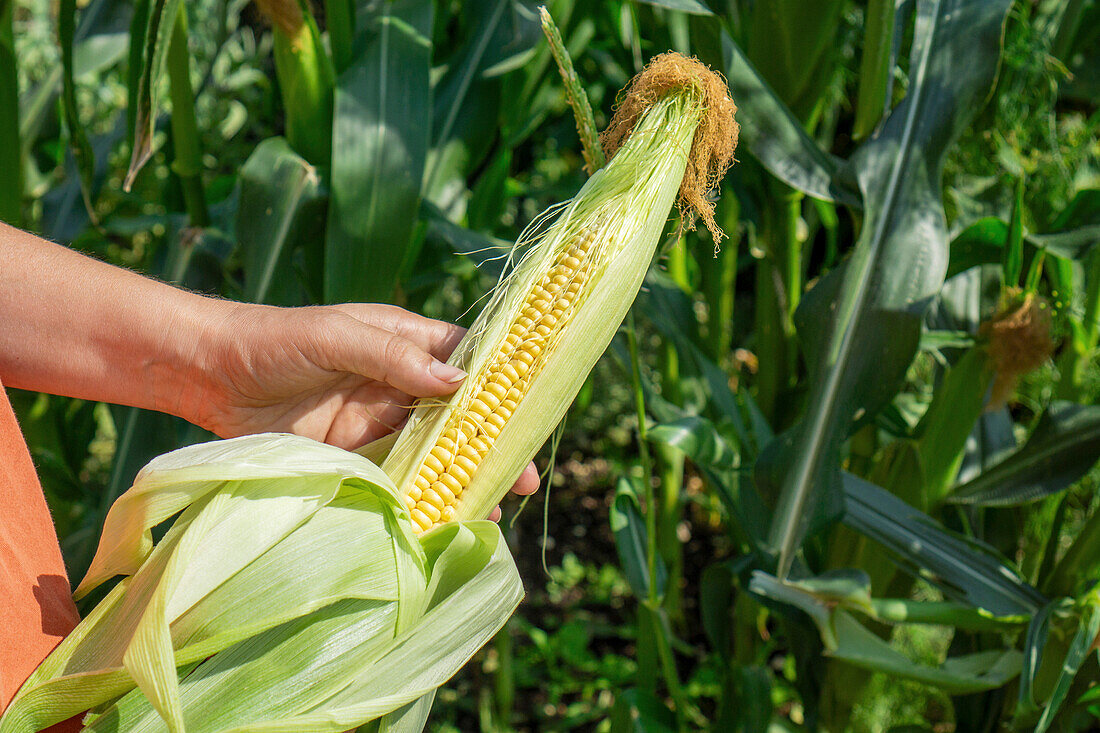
<point>553,314</point>
<point>715,139</point>
<point>1019,342</point>
<point>286,15</point>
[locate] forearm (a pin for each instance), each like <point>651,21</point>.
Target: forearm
<point>74,326</point>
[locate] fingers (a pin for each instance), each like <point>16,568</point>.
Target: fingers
<point>528,481</point>
<point>350,345</point>
<point>368,414</point>
<point>438,338</point>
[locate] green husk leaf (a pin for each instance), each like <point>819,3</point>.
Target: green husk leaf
<point>230,622</point>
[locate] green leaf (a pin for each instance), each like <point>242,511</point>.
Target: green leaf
<point>850,641</point>
<point>11,159</point>
<point>671,311</point>
<point>698,439</point>
<point>628,526</point>
<point>146,103</point>
<point>870,307</point>
<point>640,711</point>
<point>78,138</point>
<point>963,568</point>
<point>1034,642</point>
<point>768,129</point>
<point>716,598</point>
<point>1013,262</point>
<point>280,210</point>
<point>1072,244</point>
<point>1062,448</point>
<point>694,7</point>
<point>469,99</point>
<point>380,139</point>
<point>946,426</point>
<point>1079,648</point>
<point>875,67</point>
<point>980,243</point>
<point>487,252</point>
<point>708,449</point>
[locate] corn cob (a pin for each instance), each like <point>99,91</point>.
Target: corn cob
<point>554,314</point>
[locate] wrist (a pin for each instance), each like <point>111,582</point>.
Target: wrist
<point>184,370</point>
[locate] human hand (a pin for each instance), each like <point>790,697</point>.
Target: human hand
<point>344,374</point>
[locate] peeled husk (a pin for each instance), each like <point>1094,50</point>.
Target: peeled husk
<point>289,593</point>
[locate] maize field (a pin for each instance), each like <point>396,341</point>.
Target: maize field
<point>795,305</point>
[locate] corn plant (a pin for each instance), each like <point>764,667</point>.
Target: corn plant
<point>831,407</point>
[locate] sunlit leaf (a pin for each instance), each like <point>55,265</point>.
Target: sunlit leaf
<point>1062,448</point>
<point>964,569</point>
<point>380,140</point>
<point>862,320</point>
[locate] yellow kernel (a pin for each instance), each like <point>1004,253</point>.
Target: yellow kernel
<point>521,366</point>
<point>431,512</point>
<point>491,430</point>
<point>462,476</point>
<point>428,474</point>
<point>515,394</point>
<point>421,482</point>
<point>433,463</point>
<point>433,499</point>
<point>509,372</point>
<point>479,408</point>
<point>420,519</point>
<point>480,445</point>
<point>451,483</point>
<point>543,330</point>
<point>496,389</point>
<point>525,356</point>
<point>496,419</point>
<point>468,427</point>
<point>446,494</point>
<point>448,513</point>
<point>572,262</point>
<point>490,400</point>
<point>409,502</point>
<point>508,406</point>
<point>442,454</point>
<point>467,462</point>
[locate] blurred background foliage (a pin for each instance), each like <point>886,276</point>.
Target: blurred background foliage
<point>837,474</point>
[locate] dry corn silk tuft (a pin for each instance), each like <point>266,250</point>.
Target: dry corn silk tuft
<point>1019,341</point>
<point>302,587</point>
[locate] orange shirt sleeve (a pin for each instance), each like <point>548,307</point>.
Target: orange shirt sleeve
<point>36,606</point>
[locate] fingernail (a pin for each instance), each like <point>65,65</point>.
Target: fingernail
<point>446,372</point>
